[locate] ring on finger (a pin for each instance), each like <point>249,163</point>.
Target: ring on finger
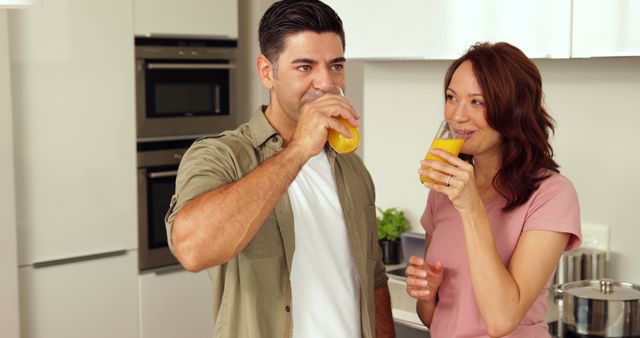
<point>448,180</point>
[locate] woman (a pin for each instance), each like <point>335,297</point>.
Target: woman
<point>499,222</point>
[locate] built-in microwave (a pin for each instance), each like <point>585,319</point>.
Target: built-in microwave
<point>184,87</point>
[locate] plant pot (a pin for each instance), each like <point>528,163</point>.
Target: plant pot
<point>390,251</point>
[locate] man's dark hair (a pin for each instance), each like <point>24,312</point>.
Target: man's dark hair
<point>293,16</point>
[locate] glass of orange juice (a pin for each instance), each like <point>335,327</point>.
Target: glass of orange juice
<point>449,138</point>
<point>340,143</point>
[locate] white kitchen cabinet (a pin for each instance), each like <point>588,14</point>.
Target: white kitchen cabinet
<point>606,28</point>
<point>175,304</point>
<point>72,77</point>
<point>191,18</point>
<point>434,29</point>
<point>9,316</point>
<point>95,298</point>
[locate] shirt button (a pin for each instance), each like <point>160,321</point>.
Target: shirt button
<point>287,308</point>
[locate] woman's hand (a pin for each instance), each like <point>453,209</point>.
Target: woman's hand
<point>457,177</point>
<point>423,280</point>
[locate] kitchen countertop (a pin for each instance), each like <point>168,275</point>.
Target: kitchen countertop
<point>403,306</point>
<point>408,318</point>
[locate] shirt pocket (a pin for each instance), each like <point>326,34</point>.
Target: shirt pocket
<point>267,242</point>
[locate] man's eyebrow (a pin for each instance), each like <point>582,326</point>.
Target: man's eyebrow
<point>313,62</point>
<point>304,60</point>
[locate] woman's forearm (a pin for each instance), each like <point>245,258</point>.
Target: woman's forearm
<point>497,294</point>
<point>425,311</point>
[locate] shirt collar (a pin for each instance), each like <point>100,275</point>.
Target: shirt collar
<point>262,130</point>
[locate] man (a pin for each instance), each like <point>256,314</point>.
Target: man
<point>285,225</point>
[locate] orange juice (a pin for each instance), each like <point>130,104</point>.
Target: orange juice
<point>451,146</point>
<point>342,144</point>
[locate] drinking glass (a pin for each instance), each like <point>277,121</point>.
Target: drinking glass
<point>340,143</point>
<point>449,138</point>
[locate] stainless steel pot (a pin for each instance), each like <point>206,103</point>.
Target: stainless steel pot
<point>601,308</point>
<point>580,264</point>
<point>569,267</point>
<point>593,264</point>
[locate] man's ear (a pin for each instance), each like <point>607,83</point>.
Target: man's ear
<point>265,71</point>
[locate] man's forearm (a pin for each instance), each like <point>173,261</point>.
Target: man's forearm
<point>216,225</point>
<point>384,318</point>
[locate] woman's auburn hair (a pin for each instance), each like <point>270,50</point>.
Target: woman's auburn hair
<point>512,89</point>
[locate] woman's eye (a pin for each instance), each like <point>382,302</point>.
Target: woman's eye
<point>477,102</point>
<point>449,97</point>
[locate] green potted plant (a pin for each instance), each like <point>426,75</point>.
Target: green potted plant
<point>391,224</point>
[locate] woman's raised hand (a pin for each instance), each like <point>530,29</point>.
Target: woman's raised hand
<point>457,177</point>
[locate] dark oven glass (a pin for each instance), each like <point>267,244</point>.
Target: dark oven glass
<point>161,182</point>
<point>187,88</point>
<point>158,163</point>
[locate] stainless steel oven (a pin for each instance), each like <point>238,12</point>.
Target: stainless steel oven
<point>184,90</point>
<point>157,168</point>
<point>184,86</point>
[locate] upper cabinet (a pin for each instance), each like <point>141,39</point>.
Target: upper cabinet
<point>434,29</point>
<point>606,28</point>
<point>189,18</point>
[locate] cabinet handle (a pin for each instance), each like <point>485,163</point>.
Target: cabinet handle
<point>168,269</point>
<point>160,174</point>
<point>191,65</point>
<point>61,261</point>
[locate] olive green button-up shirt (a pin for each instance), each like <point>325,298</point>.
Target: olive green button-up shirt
<point>252,291</point>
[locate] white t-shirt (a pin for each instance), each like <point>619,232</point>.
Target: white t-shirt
<point>324,286</point>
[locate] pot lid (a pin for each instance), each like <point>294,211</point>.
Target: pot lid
<point>603,289</point>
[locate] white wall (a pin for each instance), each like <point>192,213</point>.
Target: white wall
<point>9,319</point>
<point>590,99</point>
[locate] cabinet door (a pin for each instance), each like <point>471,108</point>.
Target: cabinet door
<point>175,304</point>
<point>72,75</point>
<point>434,29</point>
<point>195,18</point>
<point>95,298</point>
<point>606,28</point>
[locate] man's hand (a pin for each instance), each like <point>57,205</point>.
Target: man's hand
<point>316,117</point>
<point>384,318</point>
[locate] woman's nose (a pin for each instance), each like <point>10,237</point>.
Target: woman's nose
<point>459,113</point>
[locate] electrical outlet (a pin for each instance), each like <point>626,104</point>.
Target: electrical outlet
<point>595,236</point>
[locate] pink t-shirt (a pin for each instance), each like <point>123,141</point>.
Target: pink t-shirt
<point>554,206</point>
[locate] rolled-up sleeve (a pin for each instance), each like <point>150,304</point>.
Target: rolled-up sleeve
<point>207,165</point>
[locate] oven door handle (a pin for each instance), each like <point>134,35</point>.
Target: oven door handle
<point>191,65</point>
<point>159,174</point>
